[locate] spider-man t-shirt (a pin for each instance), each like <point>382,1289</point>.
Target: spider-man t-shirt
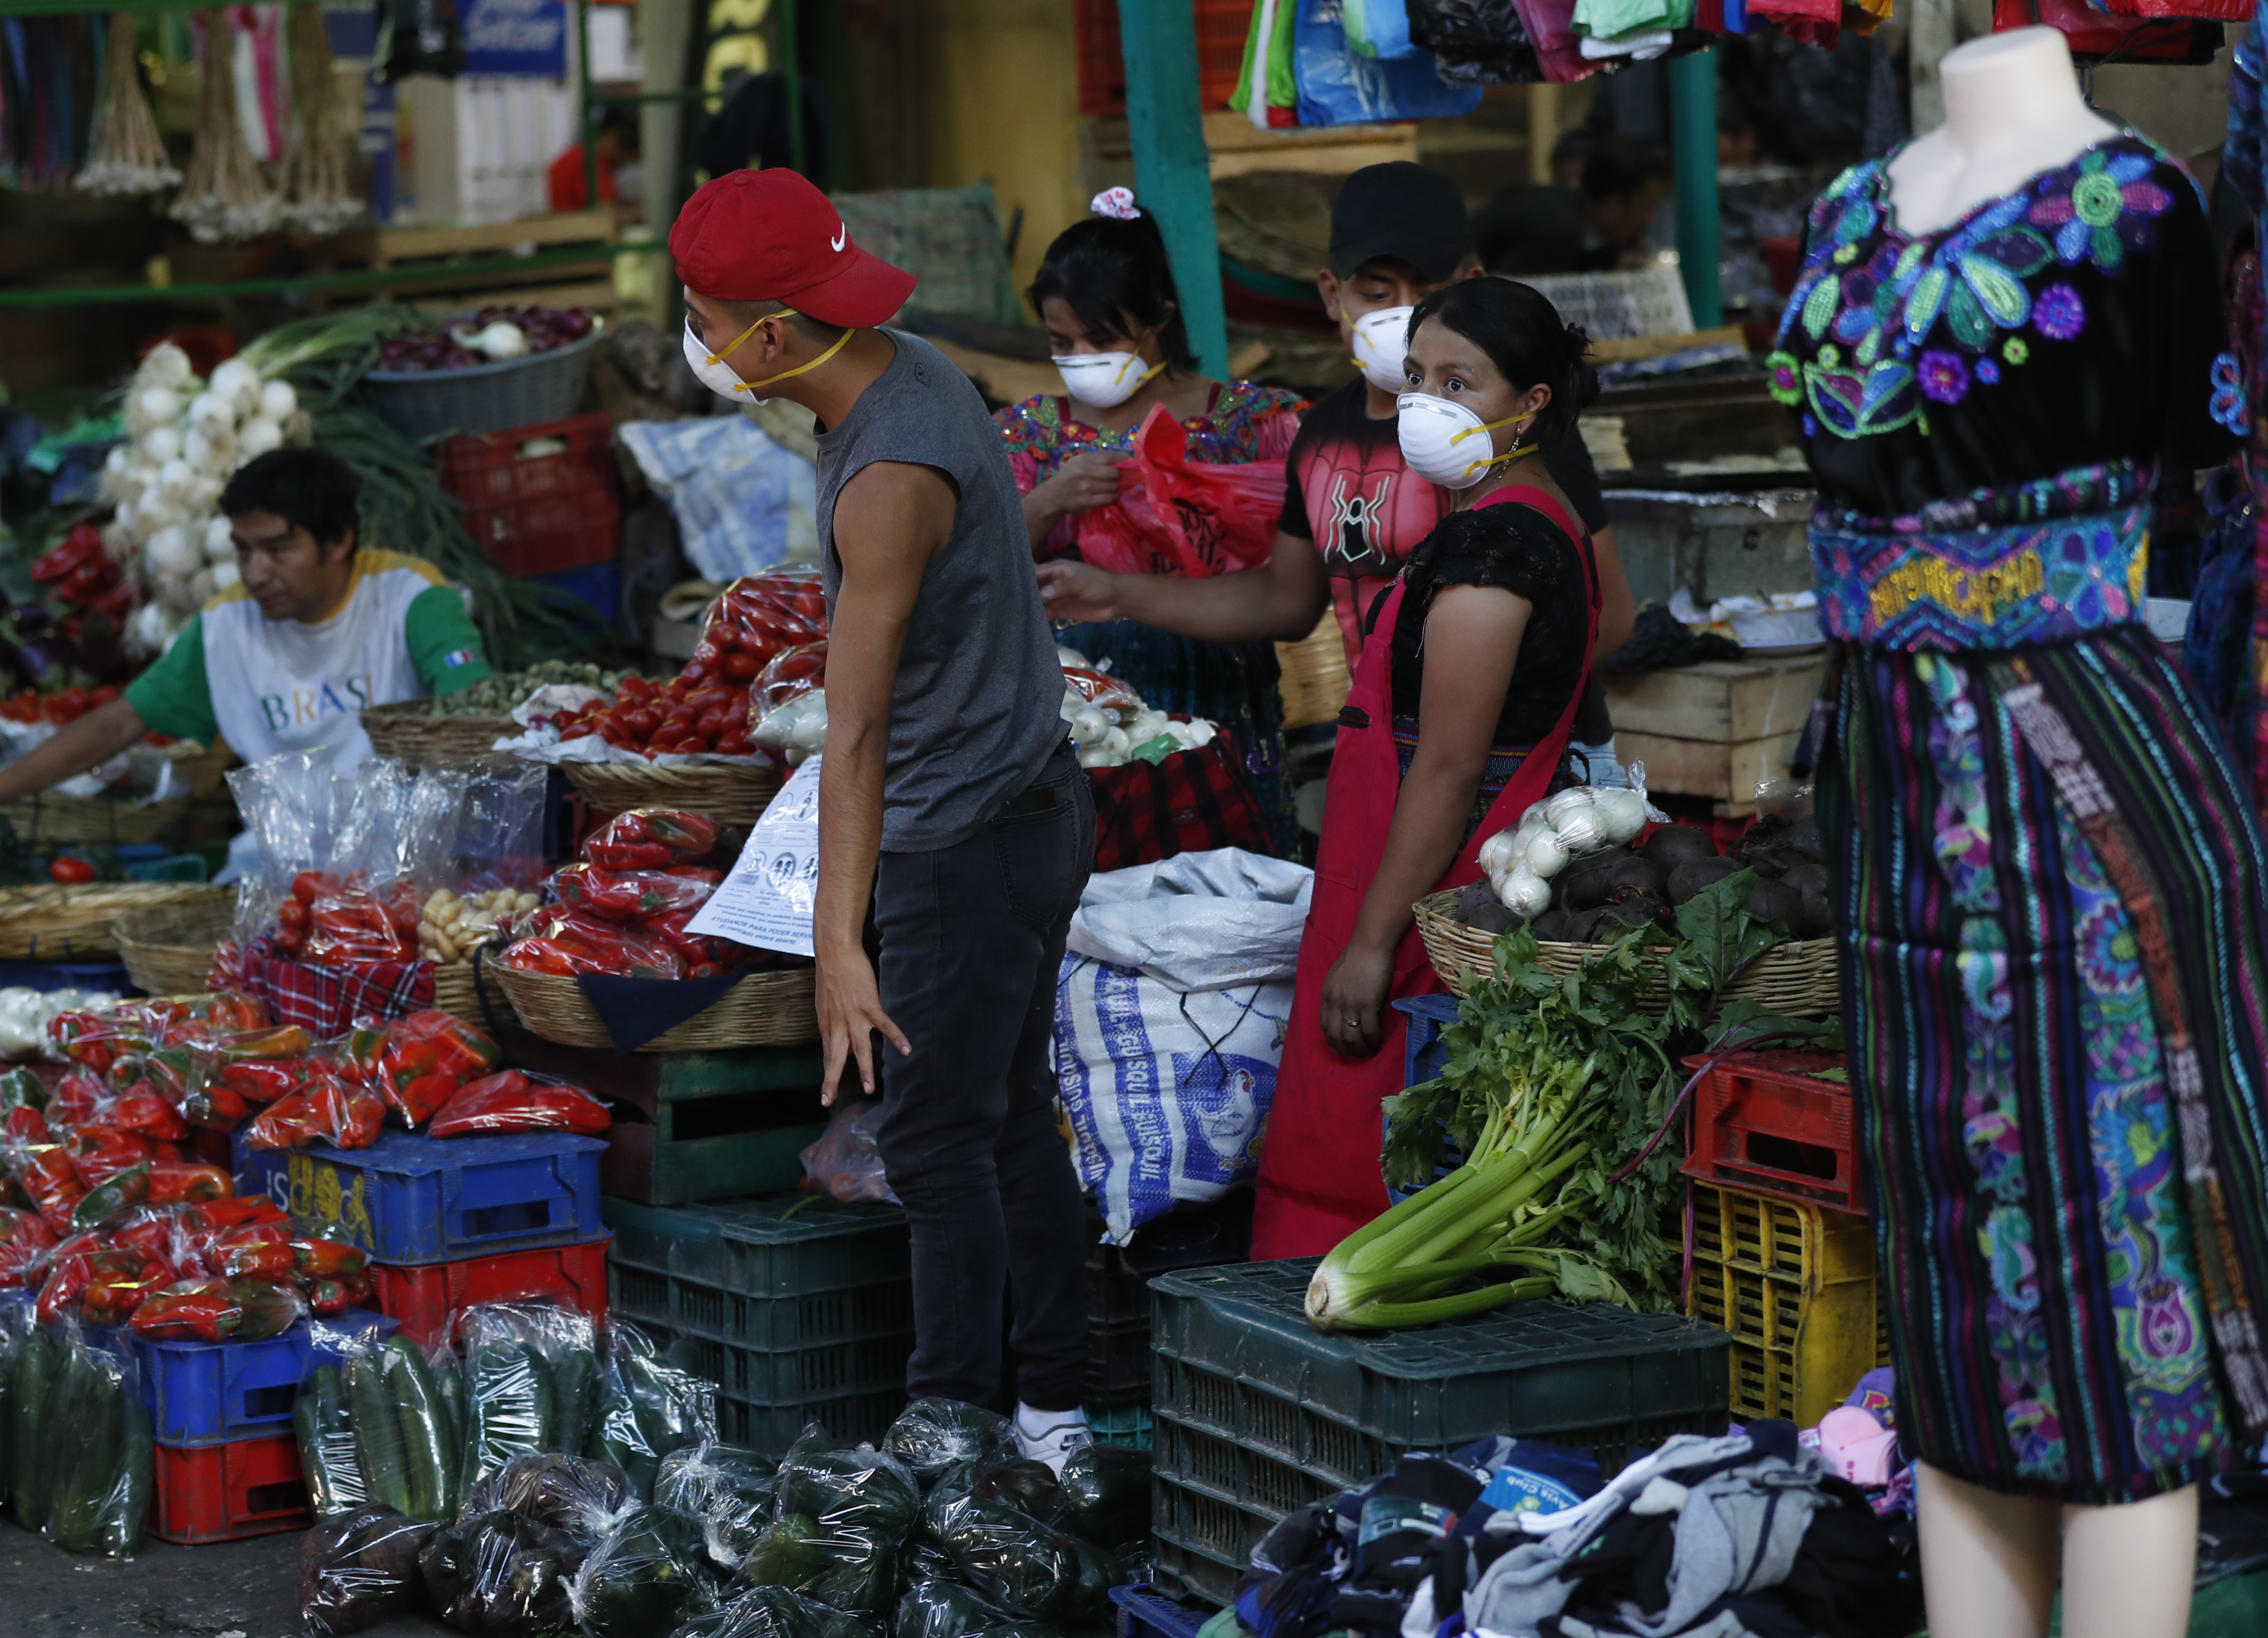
<point>1349,492</point>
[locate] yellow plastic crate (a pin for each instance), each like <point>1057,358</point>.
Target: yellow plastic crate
<point>1795,1285</point>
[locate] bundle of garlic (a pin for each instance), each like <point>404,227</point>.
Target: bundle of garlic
<point>1521,861</point>
<point>188,438</point>
<point>225,196</point>
<point>129,155</point>
<point>318,198</point>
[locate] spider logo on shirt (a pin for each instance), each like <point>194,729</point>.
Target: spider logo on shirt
<point>1354,522</point>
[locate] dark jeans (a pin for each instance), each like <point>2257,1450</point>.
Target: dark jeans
<point>971,938</point>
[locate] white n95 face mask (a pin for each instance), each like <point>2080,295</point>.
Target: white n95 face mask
<point>1380,345</point>
<point>1104,379</point>
<point>720,378</point>
<point>1444,442</point>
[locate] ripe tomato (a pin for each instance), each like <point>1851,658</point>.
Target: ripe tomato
<point>639,720</point>
<point>70,872</point>
<point>292,913</point>
<point>635,690</point>
<point>740,663</point>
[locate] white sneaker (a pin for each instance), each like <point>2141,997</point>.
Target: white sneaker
<point>1054,1444</point>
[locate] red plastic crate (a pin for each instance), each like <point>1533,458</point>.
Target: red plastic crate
<point>226,1491</point>
<point>1762,1122</point>
<point>1222,26</point>
<point>424,1297</point>
<point>536,509</point>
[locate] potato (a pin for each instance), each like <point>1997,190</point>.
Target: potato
<point>526,902</point>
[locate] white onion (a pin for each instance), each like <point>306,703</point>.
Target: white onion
<point>1498,852</point>
<point>201,588</point>
<point>258,436</point>
<point>1621,816</point>
<point>1582,834</point>
<point>175,476</point>
<point>161,443</point>
<point>1117,742</point>
<point>146,630</point>
<point>219,541</point>
<point>167,366</point>
<point>206,491</point>
<point>225,575</point>
<point>209,413</point>
<point>158,406</point>
<point>239,382</point>
<point>1524,893</point>
<point>499,341</point>
<point>1535,814</point>
<point>153,512</point>
<point>119,462</point>
<point>171,552</point>
<point>1545,856</point>
<point>277,401</point>
<point>1568,805</point>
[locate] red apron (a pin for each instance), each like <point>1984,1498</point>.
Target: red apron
<point>1318,1171</point>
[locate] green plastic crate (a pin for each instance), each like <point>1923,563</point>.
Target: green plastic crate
<point>1258,1413</point>
<point>772,1429</point>
<point>1128,1425</point>
<point>799,1376</point>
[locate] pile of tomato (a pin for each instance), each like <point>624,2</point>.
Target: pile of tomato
<point>331,918</point>
<point>705,706</point>
<point>31,705</point>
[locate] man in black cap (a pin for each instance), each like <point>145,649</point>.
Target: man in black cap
<point>1352,509</point>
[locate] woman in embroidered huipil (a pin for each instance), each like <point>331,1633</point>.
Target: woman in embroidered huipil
<point>2052,887</point>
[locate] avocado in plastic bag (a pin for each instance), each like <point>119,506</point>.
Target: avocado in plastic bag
<point>644,1408</point>
<point>502,1574</point>
<point>931,1435</point>
<point>1030,1570</point>
<point>1106,1497</point>
<point>1026,1486</point>
<point>937,1608</point>
<point>648,1576</point>
<point>732,1491</point>
<point>581,1498</point>
<point>775,1613</point>
<point>859,1487</point>
<point>359,1570</point>
<point>847,1566</point>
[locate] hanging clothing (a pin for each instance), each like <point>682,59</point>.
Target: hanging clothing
<point>1231,683</point>
<point>1319,1170</point>
<point>2054,900</point>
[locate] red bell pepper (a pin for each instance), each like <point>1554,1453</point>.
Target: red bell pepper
<point>330,1111</point>
<point>25,1240</point>
<point>100,1153</point>
<point>174,1182</point>
<point>81,546</point>
<point>315,1257</point>
<point>510,1102</point>
<point>273,1260</point>
<point>243,1211</point>
<point>142,1111</point>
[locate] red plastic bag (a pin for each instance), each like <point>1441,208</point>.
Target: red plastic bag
<point>510,1102</point>
<point>1178,516</point>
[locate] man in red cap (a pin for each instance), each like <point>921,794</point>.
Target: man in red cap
<point>956,825</point>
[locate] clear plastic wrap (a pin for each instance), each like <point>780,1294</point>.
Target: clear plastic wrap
<point>329,1110</point>
<point>530,1384</point>
<point>787,705</point>
<point>219,1310</point>
<point>1106,1497</point>
<point>510,1102</point>
<point>1031,1488</point>
<point>322,1420</point>
<point>95,1458</point>
<point>359,1570</point>
<point>405,1437</point>
<point>650,1574</point>
<point>296,805</point>
<point>25,1242</point>
<point>647,1408</point>
<point>573,1495</point>
<point>855,1485</point>
<point>931,1435</point>
<point>847,1566</point>
<point>502,1574</point>
<point>652,838</point>
<point>1031,1570</point>
<point>775,1613</point>
<point>734,1492</point>
<point>15,1325</point>
<point>31,1384</point>
<point>846,1163</point>
<point>937,1608</point>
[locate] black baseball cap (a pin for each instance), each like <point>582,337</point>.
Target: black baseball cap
<point>1404,211</point>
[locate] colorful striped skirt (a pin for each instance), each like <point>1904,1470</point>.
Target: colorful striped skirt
<point>2055,913</point>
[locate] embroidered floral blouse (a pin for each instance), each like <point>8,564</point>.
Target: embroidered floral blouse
<point>2072,321</point>
<point>1245,422</point>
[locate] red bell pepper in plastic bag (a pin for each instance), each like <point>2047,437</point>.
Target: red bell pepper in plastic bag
<point>101,1288</point>
<point>435,1043</point>
<point>624,896</point>
<point>272,1260</point>
<point>100,1153</point>
<point>510,1102</point>
<point>44,1172</point>
<point>219,1310</point>
<point>25,1242</point>
<point>331,1111</point>
<point>241,1212</point>
<point>23,1124</point>
<point>112,1198</point>
<point>334,1294</point>
<point>313,1256</point>
<point>178,1182</point>
<point>263,1080</point>
<point>652,838</point>
<point>78,1099</point>
<point>142,1110</point>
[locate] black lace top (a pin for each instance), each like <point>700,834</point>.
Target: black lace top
<point>1521,549</point>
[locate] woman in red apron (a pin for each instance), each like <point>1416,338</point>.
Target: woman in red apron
<point>1473,666</point>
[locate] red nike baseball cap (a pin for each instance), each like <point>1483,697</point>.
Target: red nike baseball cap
<point>772,236</point>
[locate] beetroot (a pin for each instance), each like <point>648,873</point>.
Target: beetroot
<point>1673,844</point>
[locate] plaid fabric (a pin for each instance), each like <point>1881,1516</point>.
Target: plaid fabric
<point>1191,801</point>
<point>328,999</point>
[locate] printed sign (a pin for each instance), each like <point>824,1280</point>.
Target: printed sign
<point>528,36</point>
<point>766,901</point>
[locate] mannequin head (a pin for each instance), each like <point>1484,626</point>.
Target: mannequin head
<point>2002,86</point>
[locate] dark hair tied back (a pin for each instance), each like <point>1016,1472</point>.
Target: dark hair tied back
<point>1521,332</point>
<point>1112,273</point>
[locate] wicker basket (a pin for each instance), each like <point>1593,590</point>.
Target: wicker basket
<point>46,817</point>
<point>408,732</point>
<point>457,991</point>
<point>1314,680</point>
<point>75,923</point>
<point>730,794</point>
<point>764,1009</point>
<point>168,950</point>
<point>1797,980</point>
<point>484,397</point>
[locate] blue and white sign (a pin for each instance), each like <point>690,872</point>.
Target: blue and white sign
<point>525,37</point>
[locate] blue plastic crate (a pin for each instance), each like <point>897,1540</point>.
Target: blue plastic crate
<point>49,975</point>
<point>598,584</point>
<point>332,1341</point>
<point>1146,1612</point>
<point>1426,1056</point>
<point>211,1392</point>
<point>410,1199</point>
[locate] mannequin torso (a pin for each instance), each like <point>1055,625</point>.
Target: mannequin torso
<point>2012,110</point>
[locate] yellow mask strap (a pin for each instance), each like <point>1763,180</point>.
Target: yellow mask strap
<point>1147,375</point>
<point>1517,450</point>
<point>748,387</point>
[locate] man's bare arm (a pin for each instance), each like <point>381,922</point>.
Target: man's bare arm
<point>1279,602</point>
<point>94,739</point>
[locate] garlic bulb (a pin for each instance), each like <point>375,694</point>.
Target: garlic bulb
<point>1545,856</point>
<point>1524,893</point>
<point>277,401</point>
<point>258,436</point>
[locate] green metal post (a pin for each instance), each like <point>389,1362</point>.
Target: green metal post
<point>1172,174</point>
<point>589,110</point>
<point>1693,158</point>
<point>791,77</point>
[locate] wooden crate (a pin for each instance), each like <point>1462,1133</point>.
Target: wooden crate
<point>580,282</point>
<point>1715,731</point>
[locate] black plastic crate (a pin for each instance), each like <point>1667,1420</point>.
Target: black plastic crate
<point>749,1274</point>
<point>1189,1236</point>
<point>1118,1367</point>
<point>799,1376</point>
<point>1258,1413</point>
<point>771,1428</point>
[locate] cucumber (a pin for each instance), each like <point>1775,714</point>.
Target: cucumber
<point>572,1385</point>
<point>36,1366</point>
<point>124,1521</point>
<point>327,1445</point>
<point>450,1383</point>
<point>428,1470</point>
<point>90,1452</point>
<point>378,1434</point>
<point>545,1397</point>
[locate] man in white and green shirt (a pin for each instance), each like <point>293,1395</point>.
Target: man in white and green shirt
<point>315,629</point>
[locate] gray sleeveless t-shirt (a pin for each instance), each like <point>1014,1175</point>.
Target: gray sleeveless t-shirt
<point>977,708</point>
